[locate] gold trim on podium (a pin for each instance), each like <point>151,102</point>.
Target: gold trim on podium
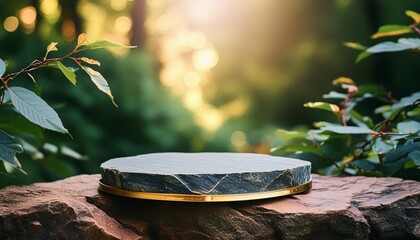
<point>205,198</point>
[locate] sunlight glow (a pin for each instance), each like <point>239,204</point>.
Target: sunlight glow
<point>123,24</point>
<point>11,24</point>
<point>28,15</point>
<point>204,59</point>
<point>118,5</point>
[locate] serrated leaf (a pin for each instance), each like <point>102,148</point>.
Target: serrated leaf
<point>82,40</point>
<point>104,44</point>
<point>392,30</point>
<point>355,45</point>
<point>2,67</point>
<point>324,106</point>
<point>410,127</point>
<point>415,16</point>
<point>35,109</point>
<point>100,82</point>
<point>402,45</point>
<point>90,61</point>
<point>8,149</point>
<point>52,47</point>
<point>348,129</point>
<point>69,74</point>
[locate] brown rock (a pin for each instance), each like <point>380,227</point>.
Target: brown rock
<point>336,208</point>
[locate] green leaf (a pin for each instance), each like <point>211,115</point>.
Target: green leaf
<point>364,164</point>
<point>67,72</point>
<point>382,146</point>
<point>363,55</point>
<point>51,47</point>
<point>15,124</point>
<point>415,156</point>
<point>410,127</point>
<point>100,82</point>
<point>288,135</point>
<point>334,95</point>
<point>360,120</point>
<point>2,67</point>
<point>8,149</point>
<point>324,106</point>
<point>415,16</point>
<point>402,45</point>
<point>392,30</point>
<point>348,129</point>
<point>104,44</point>
<point>336,147</point>
<point>355,45</point>
<point>35,109</point>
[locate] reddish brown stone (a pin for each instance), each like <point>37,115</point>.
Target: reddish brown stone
<point>336,208</point>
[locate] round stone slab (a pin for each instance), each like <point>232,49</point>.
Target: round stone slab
<point>204,174</point>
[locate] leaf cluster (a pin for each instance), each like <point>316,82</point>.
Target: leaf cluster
<point>355,143</point>
<point>24,114</point>
<point>402,44</point>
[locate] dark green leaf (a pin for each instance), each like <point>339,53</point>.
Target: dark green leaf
<point>361,121</point>
<point>364,164</point>
<point>336,147</point>
<point>8,149</point>
<point>2,67</point>
<point>100,82</point>
<point>15,124</point>
<point>35,109</point>
<point>362,56</point>
<point>348,130</point>
<point>415,156</point>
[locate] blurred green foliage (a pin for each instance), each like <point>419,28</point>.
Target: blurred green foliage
<point>277,55</point>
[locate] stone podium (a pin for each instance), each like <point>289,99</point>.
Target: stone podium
<point>203,177</point>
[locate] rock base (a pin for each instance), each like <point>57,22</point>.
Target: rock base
<point>335,208</point>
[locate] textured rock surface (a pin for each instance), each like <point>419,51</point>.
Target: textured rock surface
<point>205,173</point>
<point>336,208</point>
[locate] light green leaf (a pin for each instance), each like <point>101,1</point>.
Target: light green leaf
<point>415,16</point>
<point>70,75</point>
<point>410,127</point>
<point>288,135</point>
<point>52,47</point>
<point>8,149</point>
<point>324,106</point>
<point>355,45</point>
<point>100,82</point>
<point>402,45</point>
<point>348,130</point>
<point>382,146</point>
<point>35,109</point>
<point>2,67</point>
<point>392,30</point>
<point>104,44</point>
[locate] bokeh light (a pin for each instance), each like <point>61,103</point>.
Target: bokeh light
<point>11,24</point>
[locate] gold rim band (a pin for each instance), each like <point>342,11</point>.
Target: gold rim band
<point>205,198</point>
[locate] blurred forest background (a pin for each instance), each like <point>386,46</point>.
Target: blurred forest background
<point>206,76</point>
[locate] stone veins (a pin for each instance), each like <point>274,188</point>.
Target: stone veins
<point>335,208</point>
<point>205,173</point>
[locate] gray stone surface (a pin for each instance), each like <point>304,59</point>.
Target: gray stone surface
<point>205,173</point>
